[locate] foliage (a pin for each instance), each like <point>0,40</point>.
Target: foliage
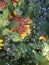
<point>24,33</point>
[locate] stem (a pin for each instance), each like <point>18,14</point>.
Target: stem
<point>36,63</point>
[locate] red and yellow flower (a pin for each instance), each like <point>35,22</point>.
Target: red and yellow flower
<point>24,26</point>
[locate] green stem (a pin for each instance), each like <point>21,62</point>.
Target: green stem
<point>36,63</point>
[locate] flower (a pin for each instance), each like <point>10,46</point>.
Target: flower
<point>1,40</point>
<point>42,38</point>
<point>23,27</point>
<point>1,44</point>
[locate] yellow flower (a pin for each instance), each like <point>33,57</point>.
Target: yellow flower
<point>1,40</point>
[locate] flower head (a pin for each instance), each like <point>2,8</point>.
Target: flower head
<point>23,27</point>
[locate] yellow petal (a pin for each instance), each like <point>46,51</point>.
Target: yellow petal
<point>1,40</point>
<point>29,22</point>
<point>29,31</point>
<point>1,44</point>
<point>28,26</point>
<point>23,35</point>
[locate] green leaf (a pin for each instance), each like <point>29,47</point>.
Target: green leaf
<point>5,31</point>
<point>48,13</point>
<point>13,24</point>
<point>5,14</point>
<point>4,22</point>
<point>47,1</point>
<point>37,58</point>
<point>14,36</point>
<point>18,11</point>
<point>44,63</point>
